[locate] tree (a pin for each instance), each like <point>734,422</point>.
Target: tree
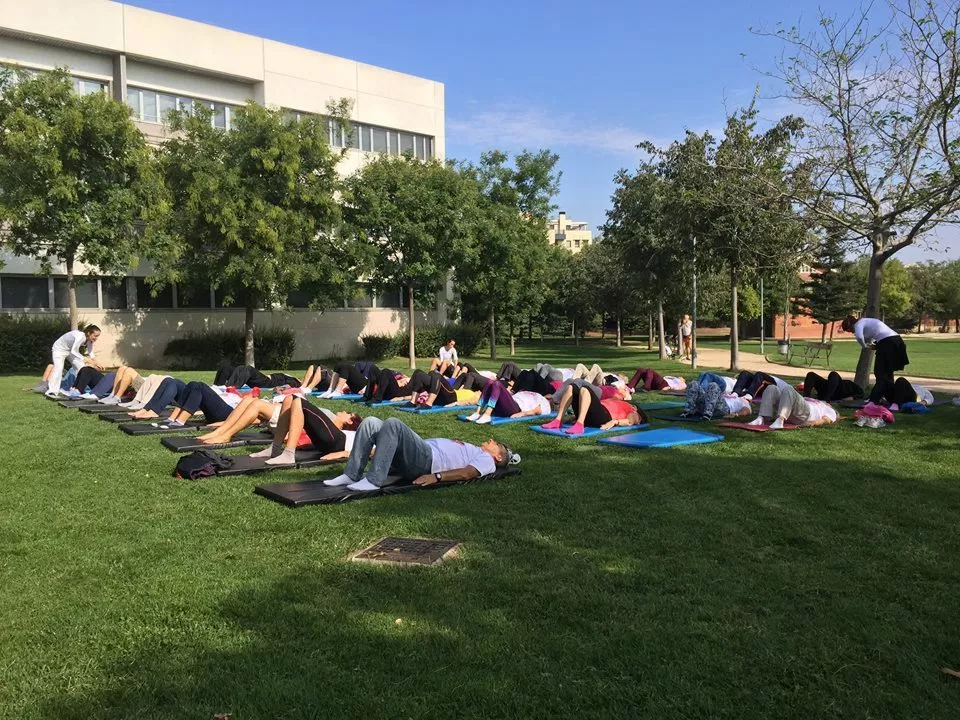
<point>948,294</point>
<point>925,280</point>
<point>255,208</point>
<point>77,180</point>
<point>614,292</point>
<point>882,151</point>
<point>831,293</point>
<point>502,272</point>
<point>415,219</point>
<point>895,295</point>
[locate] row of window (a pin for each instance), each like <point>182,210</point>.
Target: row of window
<point>29,292</point>
<point>82,86</point>
<point>373,138</point>
<point>153,107</point>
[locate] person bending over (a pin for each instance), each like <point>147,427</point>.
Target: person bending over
<point>786,405</point>
<point>902,391</point>
<point>389,446</point>
<point>196,397</point>
<point>439,391</point>
<point>831,388</point>
<point>75,348</point>
<point>592,411</point>
<point>891,352</point>
<point>496,401</point>
<point>388,385</point>
<point>447,362</point>
<point>330,433</point>
<point>708,400</point>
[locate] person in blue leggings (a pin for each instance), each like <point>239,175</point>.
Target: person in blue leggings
<point>198,396</point>
<point>166,393</point>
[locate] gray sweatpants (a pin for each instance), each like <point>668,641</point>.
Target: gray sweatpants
<point>786,403</point>
<point>397,447</point>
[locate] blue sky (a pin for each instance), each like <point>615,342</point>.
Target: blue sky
<point>588,80</point>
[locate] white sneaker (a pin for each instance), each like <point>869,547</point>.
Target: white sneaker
<point>485,420</point>
<point>89,396</point>
<point>111,400</point>
<point>339,481</point>
<point>363,485</point>
<point>474,417</point>
<point>862,420</point>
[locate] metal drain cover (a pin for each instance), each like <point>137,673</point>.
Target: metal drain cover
<point>408,551</point>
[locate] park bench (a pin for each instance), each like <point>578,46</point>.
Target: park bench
<point>812,351</point>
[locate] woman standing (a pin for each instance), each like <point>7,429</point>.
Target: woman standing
<point>71,347</point>
<point>891,351</point>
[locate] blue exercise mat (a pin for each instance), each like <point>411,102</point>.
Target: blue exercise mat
<point>664,437</point>
<point>661,405</point>
<point>505,420</point>
<point>678,418</point>
<point>426,411</point>
<point>588,432</point>
<point>385,403</point>
<point>350,396</point>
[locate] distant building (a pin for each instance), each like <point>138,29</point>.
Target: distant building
<point>569,234</point>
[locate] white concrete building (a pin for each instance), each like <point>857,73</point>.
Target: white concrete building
<point>158,62</point>
<point>569,234</point>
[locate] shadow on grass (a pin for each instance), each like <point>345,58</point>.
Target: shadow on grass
<point>683,587</point>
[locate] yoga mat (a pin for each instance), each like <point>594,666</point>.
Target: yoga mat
<point>678,418</point>
<point>384,403</point>
<point>124,417</point>
<point>660,405</point>
<point>314,492</point>
<point>75,403</point>
<point>506,420</point>
<point>188,444</point>
<point>664,437</point>
<point>347,396</point>
<point>434,409</point>
<point>588,432</point>
<point>98,409</point>
<point>755,428</point>
<point>245,465</point>
<point>145,428</point>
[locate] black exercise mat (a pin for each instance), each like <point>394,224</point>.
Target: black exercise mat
<point>680,418</point>
<point>98,408</point>
<point>78,403</point>
<point>247,437</point>
<point>245,465</point>
<point>314,492</point>
<point>145,428</point>
<point>124,417</point>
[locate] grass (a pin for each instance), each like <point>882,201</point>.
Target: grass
<point>938,358</point>
<point>797,575</point>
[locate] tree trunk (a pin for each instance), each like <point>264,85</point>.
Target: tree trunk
<point>874,286</point>
<point>650,332</point>
<point>833,325</point>
<point>679,339</point>
<point>661,339</point>
<point>493,335</point>
<point>619,332</point>
<point>411,348</point>
<point>735,321</point>
<point>248,358</point>
<point>513,340</point>
<point>573,331</point>
<point>530,328</point>
<point>823,334</point>
<point>72,293</point>
<point>603,327</point>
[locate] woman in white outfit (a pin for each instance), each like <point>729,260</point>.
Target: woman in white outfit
<point>447,362</point>
<point>69,348</point>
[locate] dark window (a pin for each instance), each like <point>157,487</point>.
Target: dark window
<point>239,298</point>
<point>114,292</point>
<point>193,296</point>
<point>24,292</point>
<point>390,299</point>
<point>86,293</point>
<point>359,297</point>
<point>145,299</point>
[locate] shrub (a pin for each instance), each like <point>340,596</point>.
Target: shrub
<point>429,338</point>
<point>379,346</point>
<point>203,350</point>
<point>25,341</point>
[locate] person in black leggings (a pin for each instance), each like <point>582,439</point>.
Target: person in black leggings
<point>199,396</point>
<point>324,428</point>
<point>752,383</point>
<point>352,377</point>
<point>830,388</point>
<point>388,385</point>
<point>532,381</point>
<point>471,381</point>
<point>896,393</point>
<point>435,385</point>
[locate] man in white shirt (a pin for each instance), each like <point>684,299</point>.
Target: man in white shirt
<point>891,351</point>
<point>70,347</point>
<point>398,450</point>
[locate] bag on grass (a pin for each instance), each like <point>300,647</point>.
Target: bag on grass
<point>200,464</point>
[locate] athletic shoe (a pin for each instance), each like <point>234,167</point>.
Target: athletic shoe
<point>89,396</point>
<point>876,423</point>
<point>474,417</point>
<point>73,393</point>
<point>862,420</point>
<point>484,420</point>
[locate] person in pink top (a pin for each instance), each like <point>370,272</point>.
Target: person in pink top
<point>593,410</point>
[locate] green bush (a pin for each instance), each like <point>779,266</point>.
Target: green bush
<point>203,350</point>
<point>25,341</point>
<point>429,338</point>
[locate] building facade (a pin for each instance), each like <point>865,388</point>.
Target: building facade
<point>157,63</point>
<point>568,234</point>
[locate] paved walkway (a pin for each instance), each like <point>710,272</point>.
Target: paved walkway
<point>714,357</point>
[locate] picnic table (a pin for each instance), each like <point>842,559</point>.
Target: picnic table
<point>810,352</point>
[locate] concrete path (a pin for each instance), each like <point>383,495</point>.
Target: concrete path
<point>716,358</point>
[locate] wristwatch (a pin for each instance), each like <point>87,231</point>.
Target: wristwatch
<point>436,476</point>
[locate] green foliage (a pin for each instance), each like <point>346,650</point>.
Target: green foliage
<point>76,177</point>
<point>896,294</point>
<point>379,346</point>
<point>256,208</point>
<point>25,341</point>
<point>470,338</point>
<point>195,350</point>
<point>832,292</point>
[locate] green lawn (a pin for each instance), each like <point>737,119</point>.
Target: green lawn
<point>800,575</point>
<point>928,358</point>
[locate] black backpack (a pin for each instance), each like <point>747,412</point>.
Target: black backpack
<point>200,464</point>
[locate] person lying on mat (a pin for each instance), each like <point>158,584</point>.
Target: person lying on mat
<point>705,378</point>
<point>591,410</point>
<point>439,391</point>
<point>239,375</point>
<point>497,401</point>
<point>250,411</point>
<point>351,378</point>
<point>649,379</point>
<point>472,380</point>
<point>785,405</point>
<point>447,363</point>
<point>75,348</point>
<point>215,405</point>
<point>388,385</point>
<point>900,392</point>
<point>154,395</point>
<point>831,388</point>
<point>90,384</point>
<point>708,400</point>
<point>125,378</point>
<point>392,448</point>
<point>330,433</point>
<point>316,378</point>
<point>751,384</point>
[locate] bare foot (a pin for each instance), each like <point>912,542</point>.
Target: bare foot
<point>211,439</point>
<point>143,415</point>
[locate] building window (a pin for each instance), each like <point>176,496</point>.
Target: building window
<point>359,297</point>
<point>133,100</point>
<point>88,87</point>
<point>193,296</point>
<point>114,293</point>
<point>365,135</point>
<point>24,292</point>
<point>168,103</point>
<point>406,143</point>
<point>391,299</point>
<point>379,139</point>
<point>154,107</point>
<point>86,293</point>
<point>145,298</point>
<point>219,115</point>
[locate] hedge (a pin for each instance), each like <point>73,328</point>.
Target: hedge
<point>429,338</point>
<point>25,341</point>
<point>203,350</point>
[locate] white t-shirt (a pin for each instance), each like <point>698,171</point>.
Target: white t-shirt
<point>71,343</point>
<point>455,455</point>
<point>448,355</point>
<point>924,396</point>
<point>532,401</point>
<point>870,330</point>
<point>231,399</point>
<point>819,410</point>
<point>675,383</point>
<point>736,404</point>
<point>729,383</point>
<point>686,329</point>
